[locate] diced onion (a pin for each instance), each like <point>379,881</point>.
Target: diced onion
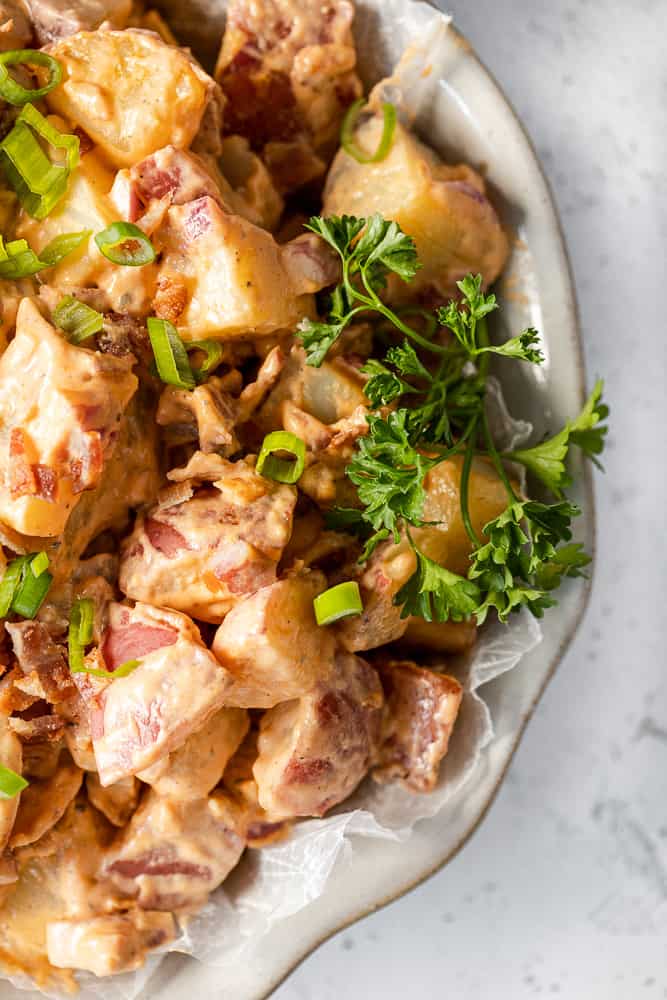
<point>338,602</point>
<point>11,783</point>
<point>77,320</point>
<point>11,90</point>
<point>39,183</point>
<point>124,243</point>
<point>282,470</point>
<point>349,143</point>
<point>171,357</point>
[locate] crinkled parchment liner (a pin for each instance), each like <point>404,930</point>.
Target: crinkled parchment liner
<point>274,883</point>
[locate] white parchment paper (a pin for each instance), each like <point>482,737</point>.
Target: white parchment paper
<point>272,884</point>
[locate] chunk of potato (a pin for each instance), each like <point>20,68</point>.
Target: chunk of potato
<point>444,208</point>
<point>238,280</point>
<point>60,406</point>
<point>130,91</point>
<point>105,945</point>
<point>12,757</point>
<point>446,542</point>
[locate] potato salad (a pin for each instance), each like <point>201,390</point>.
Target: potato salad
<point>252,509</point>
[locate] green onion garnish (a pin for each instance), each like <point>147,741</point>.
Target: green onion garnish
<point>77,320</point>
<point>11,783</point>
<point>214,354</point>
<point>171,357</point>
<point>282,470</point>
<point>124,243</point>
<point>80,632</point>
<point>18,260</point>
<point>39,183</point>
<point>10,582</point>
<point>22,591</point>
<point>32,590</point>
<point>349,143</point>
<point>11,90</point>
<point>111,675</point>
<point>338,602</point>
<point>61,246</point>
<point>39,564</point>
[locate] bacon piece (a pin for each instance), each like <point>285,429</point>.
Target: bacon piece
<point>43,803</point>
<point>272,645</point>
<point>313,752</point>
<point>36,652</point>
<point>109,944</point>
<point>173,854</point>
<point>289,77</point>
<point>22,480</point>
<point>420,710</point>
<point>15,28</point>
<point>40,729</point>
<point>203,555</point>
<point>139,718</point>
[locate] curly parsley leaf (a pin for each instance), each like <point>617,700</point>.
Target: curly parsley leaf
<point>547,460</point>
<point>568,561</point>
<point>436,594</point>
<point>383,385</point>
<point>370,250</point>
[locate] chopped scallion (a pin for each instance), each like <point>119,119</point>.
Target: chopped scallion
<point>11,783</point>
<point>61,246</point>
<point>77,320</point>
<point>38,182</point>
<point>80,633</point>
<point>347,138</point>
<point>214,353</point>
<point>33,588</point>
<point>124,243</point>
<point>272,465</point>
<point>171,357</point>
<point>11,90</point>
<point>18,260</point>
<point>338,602</point>
<point>39,564</point>
<point>10,582</point>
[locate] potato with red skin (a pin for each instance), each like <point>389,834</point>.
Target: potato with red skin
<point>176,688</point>
<point>60,407</point>
<point>271,644</point>
<point>204,554</point>
<point>421,707</point>
<point>173,853</point>
<point>314,751</point>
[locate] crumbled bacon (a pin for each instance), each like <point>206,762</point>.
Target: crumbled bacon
<point>42,729</point>
<point>22,481</point>
<point>37,652</point>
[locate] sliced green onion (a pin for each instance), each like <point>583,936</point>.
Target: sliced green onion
<point>39,183</point>
<point>32,590</point>
<point>61,246</point>
<point>18,260</point>
<point>338,602</point>
<point>282,470</point>
<point>109,675</point>
<point>11,90</point>
<point>124,243</point>
<point>11,783</point>
<point>76,319</point>
<point>80,632</point>
<point>349,143</point>
<point>171,357</point>
<point>39,564</point>
<point>10,583</point>
<point>214,352</point>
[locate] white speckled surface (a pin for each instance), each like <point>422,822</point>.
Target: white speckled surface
<point>563,891</point>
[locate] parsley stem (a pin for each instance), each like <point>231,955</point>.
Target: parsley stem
<point>373,302</point>
<point>497,460</point>
<point>465,480</point>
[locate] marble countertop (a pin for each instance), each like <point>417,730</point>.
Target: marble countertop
<point>563,890</point>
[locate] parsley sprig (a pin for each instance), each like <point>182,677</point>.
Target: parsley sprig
<point>425,415</point>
